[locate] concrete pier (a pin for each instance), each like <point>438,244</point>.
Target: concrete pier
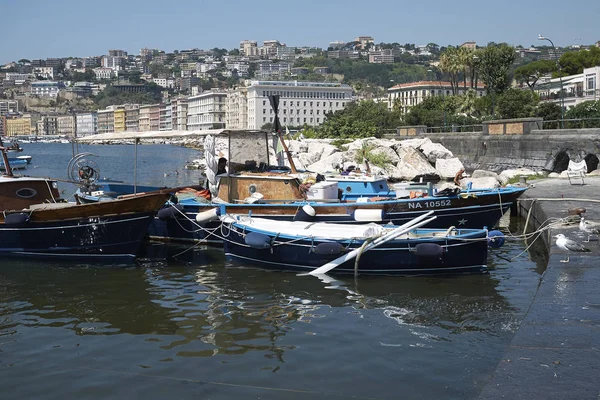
<point>555,354</point>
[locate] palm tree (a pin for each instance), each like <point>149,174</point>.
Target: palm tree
<point>450,64</point>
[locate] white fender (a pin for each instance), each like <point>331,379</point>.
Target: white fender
<point>206,216</point>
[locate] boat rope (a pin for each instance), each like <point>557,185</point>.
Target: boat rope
<point>360,252</point>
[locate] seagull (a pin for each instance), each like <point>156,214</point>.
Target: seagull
<point>588,227</point>
<point>569,245</point>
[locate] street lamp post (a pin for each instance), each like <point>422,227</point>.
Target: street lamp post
<point>562,98</point>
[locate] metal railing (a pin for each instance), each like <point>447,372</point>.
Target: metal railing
<point>475,128</point>
<point>573,123</point>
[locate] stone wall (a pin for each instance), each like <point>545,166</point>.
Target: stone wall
<point>538,149</point>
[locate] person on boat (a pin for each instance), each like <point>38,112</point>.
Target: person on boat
<point>459,176</point>
<point>222,166</point>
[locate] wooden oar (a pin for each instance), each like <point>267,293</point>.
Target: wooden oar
<point>415,223</point>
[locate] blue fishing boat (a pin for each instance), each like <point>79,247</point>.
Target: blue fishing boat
<point>14,164</point>
<point>252,185</point>
<point>364,249</point>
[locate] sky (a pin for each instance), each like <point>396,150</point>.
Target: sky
<point>36,29</point>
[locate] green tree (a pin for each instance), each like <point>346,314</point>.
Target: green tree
<point>451,63</point>
<point>585,110</point>
<point>516,103</point>
<point>495,62</point>
<point>531,73</point>
<point>574,62</point>
<point>359,119</point>
<point>549,111</point>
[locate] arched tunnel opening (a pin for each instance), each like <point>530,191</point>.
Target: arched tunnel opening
<point>561,162</point>
<point>592,162</point>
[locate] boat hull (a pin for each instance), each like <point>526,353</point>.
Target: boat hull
<point>474,211</point>
<point>115,238</point>
<point>397,257</point>
<point>109,231</point>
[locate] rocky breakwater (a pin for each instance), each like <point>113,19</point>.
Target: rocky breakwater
<point>397,160</point>
<point>405,160</point>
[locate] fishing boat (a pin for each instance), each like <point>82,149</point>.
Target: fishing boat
<point>364,249</point>
<point>253,185</point>
<point>26,158</point>
<point>108,189</point>
<point>14,164</point>
<point>36,222</point>
<point>14,147</point>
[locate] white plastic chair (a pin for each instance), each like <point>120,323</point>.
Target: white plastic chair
<point>576,171</point>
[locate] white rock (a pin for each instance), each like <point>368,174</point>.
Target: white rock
<point>447,168</point>
<point>482,173</point>
<point>506,175</point>
<point>480,183</point>
<point>595,172</point>
<point>553,175</point>
<point>435,151</point>
<point>415,143</point>
<point>412,164</point>
<point>328,164</point>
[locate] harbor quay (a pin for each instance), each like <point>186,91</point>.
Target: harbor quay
<point>555,354</point>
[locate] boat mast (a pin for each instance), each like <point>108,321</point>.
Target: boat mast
<point>274,100</point>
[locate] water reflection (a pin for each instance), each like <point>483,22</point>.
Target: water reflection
<point>190,301</point>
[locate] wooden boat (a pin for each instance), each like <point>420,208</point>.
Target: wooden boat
<point>14,147</point>
<point>111,231</point>
<point>305,246</point>
<point>253,185</point>
<point>36,222</point>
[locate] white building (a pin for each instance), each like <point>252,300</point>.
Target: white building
<point>168,83</point>
<point>407,95</point>
<point>206,111</point>
<point>114,63</point>
<point>104,73</point>
<point>86,124</point>
<point>576,88</point>
<point>65,125</point>
<point>165,119</point>
<point>300,103</point>
<point>46,88</point>
<point>236,116</point>
<point>17,78</point>
<point>44,72</point>
<point>268,70</point>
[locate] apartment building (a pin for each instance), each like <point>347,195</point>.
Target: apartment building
<point>6,107</point>
<point>44,72</point>
<point>165,121</point>
<point>385,56</point>
<point>407,95</point>
<point>132,117</point>
<point>179,109</point>
<point>17,124</point>
<point>46,88</point>
<point>206,110</point>
<point>575,88</point>
<point>65,125</point>
<point>300,102</point>
<point>47,126</point>
<point>119,119</point>
<point>236,115</point>
<point>86,124</point>
<point>104,73</point>
<point>106,120</point>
